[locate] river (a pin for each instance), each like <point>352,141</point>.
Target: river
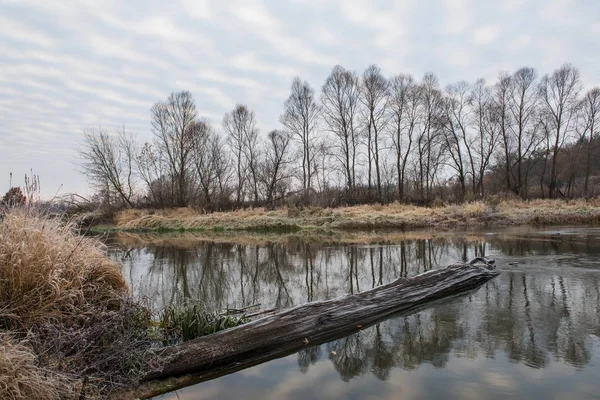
<point>532,332</point>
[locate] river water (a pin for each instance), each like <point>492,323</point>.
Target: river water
<point>532,332</point>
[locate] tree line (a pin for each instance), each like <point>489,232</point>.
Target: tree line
<point>364,138</point>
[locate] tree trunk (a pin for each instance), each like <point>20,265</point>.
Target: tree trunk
<point>314,323</point>
<point>588,165</point>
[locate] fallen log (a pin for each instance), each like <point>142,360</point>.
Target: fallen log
<point>314,323</point>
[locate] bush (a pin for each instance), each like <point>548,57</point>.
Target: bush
<point>13,198</point>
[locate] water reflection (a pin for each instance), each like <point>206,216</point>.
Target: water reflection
<point>279,275</point>
<point>543,310</point>
<point>530,319</point>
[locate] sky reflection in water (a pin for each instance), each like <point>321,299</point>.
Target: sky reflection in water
<point>532,332</point>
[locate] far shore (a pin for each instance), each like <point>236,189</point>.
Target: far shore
<point>359,218</point>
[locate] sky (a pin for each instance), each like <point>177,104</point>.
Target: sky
<point>70,65</point>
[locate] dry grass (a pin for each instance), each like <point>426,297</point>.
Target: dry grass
<point>494,212</point>
<point>22,379</point>
<point>67,324</point>
<point>191,240</point>
<point>48,271</point>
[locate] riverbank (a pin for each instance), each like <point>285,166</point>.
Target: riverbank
<point>60,295</point>
<point>69,325</point>
<point>366,217</point>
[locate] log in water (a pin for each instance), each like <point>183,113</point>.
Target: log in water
<point>315,323</point>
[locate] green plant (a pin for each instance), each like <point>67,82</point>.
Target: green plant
<point>192,320</point>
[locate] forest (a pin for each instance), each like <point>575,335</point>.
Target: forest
<point>363,138</point>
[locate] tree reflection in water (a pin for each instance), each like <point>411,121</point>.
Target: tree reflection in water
<point>544,310</point>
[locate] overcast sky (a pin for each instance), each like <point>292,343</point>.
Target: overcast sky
<point>67,65</point>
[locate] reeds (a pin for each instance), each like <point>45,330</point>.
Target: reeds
<point>189,321</point>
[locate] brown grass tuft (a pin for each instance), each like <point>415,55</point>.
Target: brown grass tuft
<point>47,270</point>
<point>22,379</point>
<point>69,306</point>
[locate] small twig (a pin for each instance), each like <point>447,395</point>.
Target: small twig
<point>81,391</point>
<point>267,311</point>
<point>239,310</point>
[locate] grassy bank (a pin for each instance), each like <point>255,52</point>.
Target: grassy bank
<point>69,328</point>
<point>366,217</point>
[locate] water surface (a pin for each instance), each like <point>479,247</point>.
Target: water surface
<point>532,332</point>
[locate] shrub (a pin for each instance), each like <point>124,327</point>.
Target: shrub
<point>13,198</point>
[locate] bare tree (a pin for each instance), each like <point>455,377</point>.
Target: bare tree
<point>211,164</point>
<point>300,117</point>
<point>108,163</point>
<point>150,168</point>
<point>588,128</point>
<point>501,96</point>
<point>558,93</point>
<point>340,100</point>
<point>171,120</point>
<point>428,139</point>
<point>275,172</point>
<point>404,108</point>
<point>201,158</point>
<point>456,115</point>
<point>240,125</point>
<point>523,106</point>
<point>322,162</point>
<point>374,97</point>
<point>221,168</point>
<point>485,120</point>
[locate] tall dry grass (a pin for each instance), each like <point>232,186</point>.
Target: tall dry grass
<point>65,307</point>
<point>493,211</point>
<point>48,271</point>
<point>22,379</point>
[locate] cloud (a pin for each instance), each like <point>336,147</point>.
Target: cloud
<point>486,34</point>
<point>249,62</point>
<point>455,55</point>
<point>260,22</point>
<point>520,42</point>
<point>162,27</point>
<point>390,25</point>
<point>22,33</point>
<point>326,36</point>
<point>511,6</point>
<point>200,9</point>
<point>213,75</point>
<point>457,16</point>
<point>558,11</point>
